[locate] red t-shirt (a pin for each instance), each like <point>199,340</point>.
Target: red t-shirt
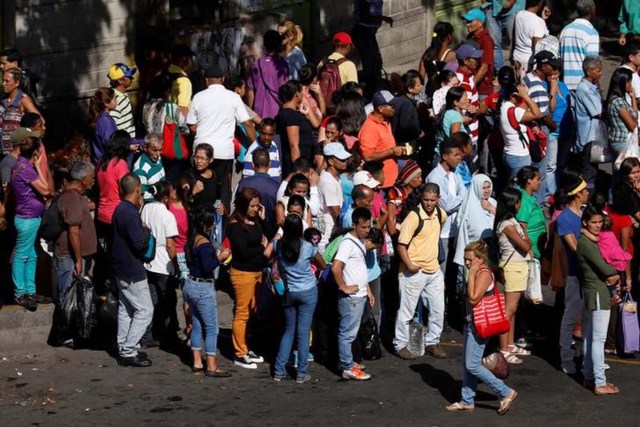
<point>618,223</point>
<point>108,182</point>
<point>183,227</point>
<point>485,42</point>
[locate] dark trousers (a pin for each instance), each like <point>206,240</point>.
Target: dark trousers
<point>223,169</point>
<point>364,38</point>
<point>164,325</point>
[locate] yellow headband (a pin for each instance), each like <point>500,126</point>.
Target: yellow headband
<point>578,189</point>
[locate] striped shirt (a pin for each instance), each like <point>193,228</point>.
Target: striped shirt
<point>468,83</point>
<point>274,155</point>
<point>537,91</point>
<point>149,173</point>
<point>123,114</point>
<point>577,40</point>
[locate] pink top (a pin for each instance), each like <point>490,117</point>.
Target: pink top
<point>612,252</point>
<point>183,227</point>
<point>108,182</point>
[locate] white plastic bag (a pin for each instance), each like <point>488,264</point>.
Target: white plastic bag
<point>632,149</point>
<point>600,151</point>
<point>534,283</point>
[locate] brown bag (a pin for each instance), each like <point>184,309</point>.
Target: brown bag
<point>559,267</point>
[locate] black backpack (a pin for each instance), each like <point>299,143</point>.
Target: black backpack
<point>441,249</point>
<point>51,226</point>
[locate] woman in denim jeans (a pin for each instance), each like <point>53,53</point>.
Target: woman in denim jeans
<point>598,279</point>
<point>480,283</point>
<point>294,255</point>
<point>199,291</point>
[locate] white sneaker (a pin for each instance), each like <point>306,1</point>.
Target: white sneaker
<point>254,357</point>
<point>245,362</point>
<point>606,367</point>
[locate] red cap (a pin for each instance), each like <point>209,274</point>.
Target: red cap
<point>342,38</point>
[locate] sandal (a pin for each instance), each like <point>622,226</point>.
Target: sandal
<point>511,358</point>
<point>607,389</point>
<point>514,349</point>
<point>505,402</point>
<point>197,369</point>
<point>459,406</point>
<point>217,374</point>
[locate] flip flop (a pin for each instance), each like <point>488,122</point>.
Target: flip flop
<point>217,374</point>
<point>459,406</point>
<point>518,351</point>
<point>511,358</point>
<point>505,403</point>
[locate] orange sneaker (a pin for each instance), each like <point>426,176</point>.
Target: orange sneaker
<point>355,374</point>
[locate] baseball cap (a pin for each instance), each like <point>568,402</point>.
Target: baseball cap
<point>546,57</point>
<point>20,134</point>
<point>474,14</point>
<point>365,178</point>
<point>465,51</point>
<point>342,38</point>
<point>335,149</point>
<point>213,71</point>
<point>383,97</point>
<point>120,70</point>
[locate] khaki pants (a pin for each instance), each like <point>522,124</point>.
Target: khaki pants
<point>246,286</point>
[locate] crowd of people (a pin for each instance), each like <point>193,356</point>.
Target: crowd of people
<point>401,199</point>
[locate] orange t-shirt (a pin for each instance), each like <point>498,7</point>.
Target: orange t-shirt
<point>375,136</point>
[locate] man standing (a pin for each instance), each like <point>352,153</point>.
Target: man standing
<point>149,167</point>
<point>578,40</point>
<point>588,109</point>
<point>130,240</point>
<point>529,29</point>
<point>19,137</point>
<point>629,18</point>
<point>632,62</point>
<point>212,117</point>
<point>484,74</point>
<point>268,73</point>
<point>265,141</point>
<point>78,240</point>
<point>452,194</point>
<point>342,48</point>
<point>349,270</point>
<point>546,71</point>
<point>120,79</point>
<point>501,16</point>
<point>369,18</point>
<point>330,189</point>
<point>376,139</point>
<point>468,63</point>
<point>420,274</point>
<point>263,182</point>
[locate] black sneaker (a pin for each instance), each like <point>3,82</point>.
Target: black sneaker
<point>40,299</point>
<point>135,361</point>
<point>26,302</point>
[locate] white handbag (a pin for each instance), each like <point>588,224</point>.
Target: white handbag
<point>534,283</point>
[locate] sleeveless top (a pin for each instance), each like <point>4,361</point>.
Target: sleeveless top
<point>11,115</point>
<point>489,291</point>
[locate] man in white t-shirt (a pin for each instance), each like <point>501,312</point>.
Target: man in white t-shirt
<point>529,29</point>
<point>632,62</point>
<point>349,270</point>
<point>212,117</point>
<point>330,189</point>
<point>161,270</point>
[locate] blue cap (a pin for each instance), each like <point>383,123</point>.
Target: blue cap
<point>474,14</point>
<point>465,51</point>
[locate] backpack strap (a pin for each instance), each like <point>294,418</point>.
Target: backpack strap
<point>511,116</point>
<point>346,237</point>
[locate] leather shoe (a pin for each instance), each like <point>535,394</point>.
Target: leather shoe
<point>435,351</point>
<point>136,361</point>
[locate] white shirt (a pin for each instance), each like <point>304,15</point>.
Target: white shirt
<point>163,225</point>
<point>215,111</point>
<point>352,252</point>
<point>330,190</point>
<point>635,82</point>
<point>439,99</point>
<point>527,26</point>
<point>512,143</point>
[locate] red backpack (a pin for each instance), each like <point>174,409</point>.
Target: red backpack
<point>537,140</point>
<point>329,78</point>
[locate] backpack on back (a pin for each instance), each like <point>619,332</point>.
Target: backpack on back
<point>329,78</point>
<point>51,226</point>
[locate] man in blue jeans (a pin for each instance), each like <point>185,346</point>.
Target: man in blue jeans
<point>349,269</point>
<point>78,240</point>
<point>501,16</point>
<point>130,240</point>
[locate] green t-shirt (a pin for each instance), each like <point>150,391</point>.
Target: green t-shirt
<point>531,214</point>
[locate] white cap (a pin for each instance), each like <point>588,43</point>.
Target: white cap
<point>365,178</point>
<point>335,149</point>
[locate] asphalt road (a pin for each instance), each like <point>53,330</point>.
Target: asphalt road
<point>60,386</point>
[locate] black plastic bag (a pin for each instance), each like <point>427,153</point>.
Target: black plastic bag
<point>64,317</point>
<point>87,311</point>
<point>108,311</point>
<point>368,338</point>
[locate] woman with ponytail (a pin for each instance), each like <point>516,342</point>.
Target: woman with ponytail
<point>437,55</point>
<point>100,121</point>
<point>161,271</point>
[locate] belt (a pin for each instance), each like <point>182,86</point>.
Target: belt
<point>200,280</point>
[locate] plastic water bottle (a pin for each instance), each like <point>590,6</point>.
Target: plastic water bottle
<point>416,337</point>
